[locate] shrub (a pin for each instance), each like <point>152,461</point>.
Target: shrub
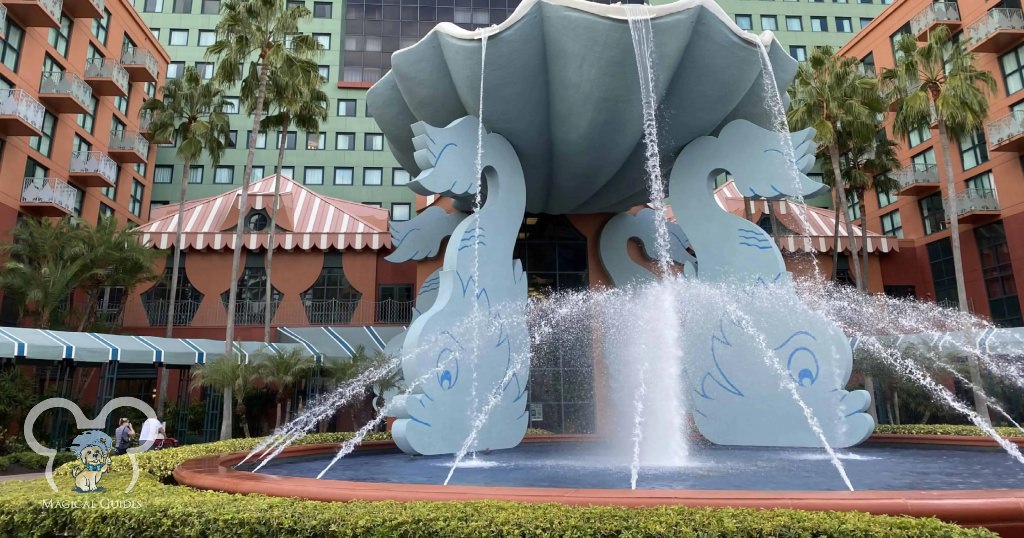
<point>942,429</point>
<point>32,509</point>
<point>33,461</point>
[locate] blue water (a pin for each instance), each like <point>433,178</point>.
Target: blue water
<point>564,465</point>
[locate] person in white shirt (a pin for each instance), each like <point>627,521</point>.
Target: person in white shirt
<point>152,429</point>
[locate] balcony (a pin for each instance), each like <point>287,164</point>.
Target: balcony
<point>128,147</point>
<point>294,312</point>
<point>934,15</point>
<point>48,197</point>
<point>975,206</point>
<point>93,169</point>
<point>107,77</point>
<point>1006,133</point>
<point>65,93</point>
<point>140,64</point>
<point>35,13</point>
<point>145,126</point>
<point>3,20</point>
<point>997,31</point>
<point>20,114</point>
<point>84,9</point>
<point>918,179</point>
<point>911,87</point>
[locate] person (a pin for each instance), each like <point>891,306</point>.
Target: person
<point>123,436</point>
<point>152,429</point>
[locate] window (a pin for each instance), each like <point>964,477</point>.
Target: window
<point>106,211</point>
<point>372,204</point>
<point>324,40</point>
<point>139,168</point>
<point>940,259</point>
<point>973,150</point>
<point>745,22</point>
<point>919,135</point>
<point>195,174</point>
<point>100,26</point>
<point>795,24</point>
<point>153,6</point>
<point>178,37</point>
<point>230,105</point>
<point>885,198</point>
<point>924,161</point>
<point>210,7</point>
<point>769,22</point>
<point>891,224</point>
<point>347,107</point>
<point>289,140</point>
<point>314,175</point>
<point>345,141</point>
<point>10,45</point>
<point>163,173</point>
<point>205,70</point>
<point>844,25</point>
<point>44,144</point>
<point>1012,64</point>
<point>867,64</point>
<point>261,140</point>
<point>252,293</point>
<point>399,177</point>
<point>331,300</point>
<point>932,213</point>
<point>207,38</point>
<point>224,175</point>
<point>853,207</point>
<point>865,21</point>
<point>288,171</point>
<point>186,296</point>
<point>135,204</point>
<point>373,142</point>
<point>257,174</point>
<point>175,70</point>
<point>896,36</point>
<point>998,272</point>
<point>324,71</point>
<point>256,221</point>
<point>819,24</point>
<point>182,6</point>
<point>59,37</point>
<point>88,119</point>
<point>980,186</point>
<point>80,144</point>
<point>322,10</point>
<point>156,33</point>
<point>316,141</point>
<point>372,176</point>
<point>343,175</point>
<point>400,211</point>
<point>798,52</point>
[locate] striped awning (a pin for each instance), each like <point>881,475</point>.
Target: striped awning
<point>325,342</point>
<point>808,228</point>
<point>305,220</point>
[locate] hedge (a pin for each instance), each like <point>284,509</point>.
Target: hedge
<point>943,429</point>
<point>33,461</point>
<point>154,509</point>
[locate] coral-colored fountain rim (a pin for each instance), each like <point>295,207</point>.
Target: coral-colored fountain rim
<point>1000,510</point>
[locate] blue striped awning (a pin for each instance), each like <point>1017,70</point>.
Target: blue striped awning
<point>340,342</point>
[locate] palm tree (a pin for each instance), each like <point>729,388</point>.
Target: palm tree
<point>234,378</point>
<point>46,260</point>
<point>294,90</point>
<point>832,95</point>
<point>339,371</point>
<point>284,369</point>
<point>191,112</point>
<point>939,82</point>
<point>260,34</point>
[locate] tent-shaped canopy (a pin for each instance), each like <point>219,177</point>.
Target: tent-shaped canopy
<point>325,342</point>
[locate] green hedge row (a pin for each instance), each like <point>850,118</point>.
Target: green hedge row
<point>154,509</point>
<point>943,429</point>
<point>33,461</point>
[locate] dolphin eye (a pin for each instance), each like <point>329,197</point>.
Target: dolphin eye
<point>773,150</point>
<point>803,366</point>
<point>449,373</point>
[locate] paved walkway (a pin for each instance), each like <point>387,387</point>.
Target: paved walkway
<point>26,476</point>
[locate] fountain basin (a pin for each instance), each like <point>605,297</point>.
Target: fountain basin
<point>940,475</point>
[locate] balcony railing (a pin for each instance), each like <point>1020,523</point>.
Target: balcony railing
<point>140,64</point>
<point>1005,130</point>
<point>867,69</point>
<point>985,34</point>
<point>61,84</point>
<point>49,190</point>
<point>107,69</point>
<point>145,120</point>
<point>3,19</point>
<point>128,142</point>
<point>972,200</point>
<point>286,313</point>
<point>94,163</point>
<point>917,174</point>
<point>936,12</point>
<point>19,104</point>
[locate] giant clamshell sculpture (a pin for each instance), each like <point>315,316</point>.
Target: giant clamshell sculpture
<point>561,133</point>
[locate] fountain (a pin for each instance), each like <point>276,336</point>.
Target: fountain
<point>623,112</point>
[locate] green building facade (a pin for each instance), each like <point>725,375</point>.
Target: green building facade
<point>349,158</point>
